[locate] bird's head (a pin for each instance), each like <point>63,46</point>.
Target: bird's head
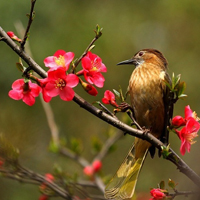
<point>146,56</point>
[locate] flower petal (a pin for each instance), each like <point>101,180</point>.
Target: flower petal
<point>15,94</point>
<point>59,53</point>
<point>28,99</point>
<point>188,112</point>
<point>72,80</point>
<point>67,94</point>
<point>18,84</point>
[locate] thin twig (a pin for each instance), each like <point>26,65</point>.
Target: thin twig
<point>31,16</point>
<point>86,50</point>
<point>109,142</point>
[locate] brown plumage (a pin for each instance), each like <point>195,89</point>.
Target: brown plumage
<point>148,96</point>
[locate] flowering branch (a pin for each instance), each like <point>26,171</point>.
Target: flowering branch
<point>173,157</point>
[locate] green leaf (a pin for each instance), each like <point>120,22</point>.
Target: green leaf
<point>116,93</point>
<point>76,146</point>
<point>121,94</point>
<point>92,47</point>
<point>98,31</point>
<point>96,145</point>
<point>162,185</point>
<point>181,88</point>
<point>165,151</point>
<point>53,147</point>
<point>175,80</point>
<point>171,184</point>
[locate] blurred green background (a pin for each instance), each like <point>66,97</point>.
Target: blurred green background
<point>171,26</point>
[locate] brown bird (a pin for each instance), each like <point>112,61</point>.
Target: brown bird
<point>149,100</point>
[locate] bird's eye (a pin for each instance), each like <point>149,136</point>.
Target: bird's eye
<point>141,53</point>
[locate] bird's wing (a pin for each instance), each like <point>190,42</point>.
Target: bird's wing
<point>167,99</point>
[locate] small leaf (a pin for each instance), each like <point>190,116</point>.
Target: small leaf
<point>76,146</point>
<point>165,151</point>
<point>171,184</point>
<point>92,47</point>
<point>96,145</point>
<point>98,31</point>
<point>182,96</point>
<point>58,170</point>
<point>116,93</point>
<point>53,147</point>
<point>175,80</point>
<point>121,94</point>
<point>20,67</point>
<point>181,88</point>
<point>162,185</point>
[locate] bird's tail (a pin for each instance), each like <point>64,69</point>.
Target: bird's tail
<point>122,185</point>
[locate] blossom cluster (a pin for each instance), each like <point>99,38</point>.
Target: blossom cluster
<point>189,131</point>
<point>59,81</point>
<point>90,170</point>
<point>48,178</point>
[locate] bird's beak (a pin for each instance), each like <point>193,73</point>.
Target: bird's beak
<point>126,62</point>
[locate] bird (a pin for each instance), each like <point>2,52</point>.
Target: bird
<point>149,99</point>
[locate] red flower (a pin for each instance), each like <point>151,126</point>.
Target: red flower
<point>13,36</point>
<point>58,83</point>
<point>25,91</point>
<point>59,59</point>
<point>109,98</point>
<point>92,68</point>
<point>97,165</point>
<point>187,134</point>
<point>88,170</point>
<point>190,129</point>
<point>49,177</point>
<point>157,194</point>
<point>178,121</point>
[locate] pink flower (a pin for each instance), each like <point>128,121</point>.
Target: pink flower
<point>109,98</point>
<point>59,59</point>
<point>92,68</point>
<point>190,129</point>
<point>58,83</point>
<point>88,170</point>
<point>157,194</point>
<point>187,134</point>
<point>97,164</point>
<point>25,91</point>
<point>13,36</point>
<point>49,177</point>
